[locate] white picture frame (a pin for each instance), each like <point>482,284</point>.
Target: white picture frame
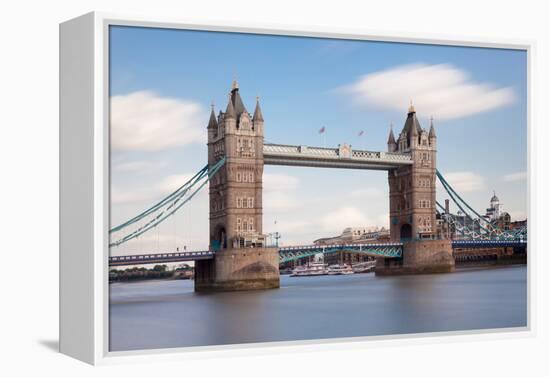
<point>84,190</point>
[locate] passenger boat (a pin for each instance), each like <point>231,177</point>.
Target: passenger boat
<point>364,267</point>
<point>312,269</point>
<point>340,269</point>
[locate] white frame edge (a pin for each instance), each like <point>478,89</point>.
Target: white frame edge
<point>84,166</point>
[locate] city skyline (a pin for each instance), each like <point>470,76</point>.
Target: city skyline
<point>353,90</point>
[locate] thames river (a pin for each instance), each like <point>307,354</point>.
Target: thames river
<point>161,314</point>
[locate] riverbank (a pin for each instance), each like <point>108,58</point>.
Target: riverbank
<point>159,272</point>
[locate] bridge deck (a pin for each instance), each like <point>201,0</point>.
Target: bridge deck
<point>299,155</point>
<point>129,260</point>
<point>286,253</point>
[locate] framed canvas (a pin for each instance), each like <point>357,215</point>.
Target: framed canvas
<point>226,188</point>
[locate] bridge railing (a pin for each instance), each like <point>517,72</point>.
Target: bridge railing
<point>333,153</point>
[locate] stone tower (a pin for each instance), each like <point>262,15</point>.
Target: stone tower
<point>242,260</point>
<point>236,191</point>
<point>412,188</point>
<point>413,205</point>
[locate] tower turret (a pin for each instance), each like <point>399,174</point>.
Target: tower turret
<point>213,122</point>
<point>414,127</point>
<point>432,136</point>
<point>258,118</point>
<point>230,110</point>
<point>392,145</point>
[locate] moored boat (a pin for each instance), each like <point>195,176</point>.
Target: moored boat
<point>312,269</point>
<point>364,267</point>
<point>340,269</point>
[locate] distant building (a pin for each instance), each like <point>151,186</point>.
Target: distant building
<point>496,215</point>
<point>493,212</point>
<point>357,235</point>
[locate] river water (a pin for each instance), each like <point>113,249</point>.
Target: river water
<point>161,314</point>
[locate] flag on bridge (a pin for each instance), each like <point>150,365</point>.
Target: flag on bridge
<point>361,133</point>
<point>322,130</point>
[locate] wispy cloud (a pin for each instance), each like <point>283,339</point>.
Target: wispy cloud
<point>277,192</point>
<point>144,121</point>
<point>367,192</point>
<point>137,166</point>
<point>514,177</point>
<point>441,90</point>
<point>279,182</point>
<point>151,193</point>
<point>466,181</point>
<point>343,217</point>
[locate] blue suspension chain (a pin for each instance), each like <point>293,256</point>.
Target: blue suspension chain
<point>174,199</point>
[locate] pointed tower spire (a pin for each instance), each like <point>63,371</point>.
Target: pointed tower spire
<point>391,137</point>
<point>432,128</point>
<point>212,123</point>
<point>230,111</point>
<point>258,116</point>
<point>392,145</point>
<point>411,107</point>
<point>238,103</point>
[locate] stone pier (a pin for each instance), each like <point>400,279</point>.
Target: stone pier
<point>419,257</point>
<point>238,270</point>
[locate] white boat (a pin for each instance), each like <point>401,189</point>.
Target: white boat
<point>312,269</point>
<point>340,269</point>
<point>364,267</point>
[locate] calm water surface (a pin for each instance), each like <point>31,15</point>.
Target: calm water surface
<point>160,314</point>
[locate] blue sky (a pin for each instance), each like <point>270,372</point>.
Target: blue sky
<point>163,82</point>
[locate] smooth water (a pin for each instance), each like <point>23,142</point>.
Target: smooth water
<point>160,314</point>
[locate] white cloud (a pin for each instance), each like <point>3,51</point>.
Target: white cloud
<point>144,121</point>
<point>518,215</point>
<point>465,181</point>
<point>368,192</point>
<point>514,177</point>
<point>384,220</point>
<point>138,166</point>
<point>441,90</point>
<point>341,218</point>
<point>293,227</point>
<point>277,192</point>
<point>171,183</point>
<point>151,193</point>
<point>279,182</point>
<point>121,196</point>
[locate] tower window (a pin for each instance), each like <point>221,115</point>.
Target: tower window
<point>251,225</point>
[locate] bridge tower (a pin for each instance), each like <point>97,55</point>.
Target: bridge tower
<point>413,202</point>
<point>242,260</point>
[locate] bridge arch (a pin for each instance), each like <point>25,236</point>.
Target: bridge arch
<point>219,241</point>
<point>405,232</point>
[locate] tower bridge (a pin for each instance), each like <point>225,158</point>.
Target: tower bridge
<point>239,256</point>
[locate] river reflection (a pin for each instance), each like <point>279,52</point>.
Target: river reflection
<point>161,314</point>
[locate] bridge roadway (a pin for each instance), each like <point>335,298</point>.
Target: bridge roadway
<point>288,253</point>
<point>343,157</point>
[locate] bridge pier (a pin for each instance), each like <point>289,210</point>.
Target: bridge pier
<point>238,269</point>
<point>419,257</point>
